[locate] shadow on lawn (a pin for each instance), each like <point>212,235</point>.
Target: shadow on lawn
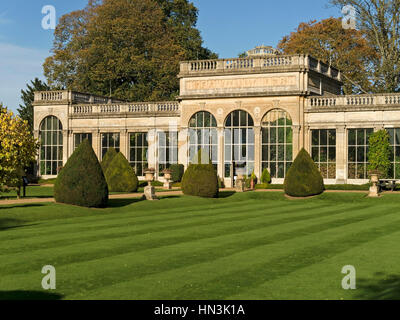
<point>29,295</point>
<point>20,205</point>
<point>119,203</point>
<point>226,194</point>
<point>9,223</point>
<point>383,287</point>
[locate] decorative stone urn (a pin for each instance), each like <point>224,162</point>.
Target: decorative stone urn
<point>150,191</point>
<point>168,179</point>
<point>374,189</point>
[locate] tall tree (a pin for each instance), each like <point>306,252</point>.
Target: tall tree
<point>346,49</point>
<point>182,15</point>
<point>129,49</point>
<point>25,111</point>
<point>380,21</point>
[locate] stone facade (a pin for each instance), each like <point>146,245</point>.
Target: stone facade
<point>290,102</point>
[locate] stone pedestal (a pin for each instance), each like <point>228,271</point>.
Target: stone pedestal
<point>168,185</point>
<point>374,189</point>
<point>150,193</point>
<point>240,184</point>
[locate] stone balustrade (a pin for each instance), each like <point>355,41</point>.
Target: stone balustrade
<point>131,108</point>
<point>262,64</point>
<point>68,96</point>
<point>354,100</point>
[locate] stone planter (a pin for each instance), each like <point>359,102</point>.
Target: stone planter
<point>149,175</point>
<point>374,189</point>
<point>150,191</point>
<point>168,179</point>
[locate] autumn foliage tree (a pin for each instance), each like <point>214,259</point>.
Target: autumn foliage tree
<point>346,49</point>
<point>129,49</point>
<point>379,20</point>
<point>18,149</point>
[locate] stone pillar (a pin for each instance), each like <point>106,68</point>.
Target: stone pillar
<point>307,139</point>
<point>297,140</point>
<point>71,148</point>
<point>221,152</point>
<point>183,147</point>
<point>96,143</point>
<point>65,146</point>
<point>257,152</point>
<point>124,143</point>
<point>341,155</point>
<point>152,151</point>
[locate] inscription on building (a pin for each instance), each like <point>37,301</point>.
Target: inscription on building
<point>240,83</point>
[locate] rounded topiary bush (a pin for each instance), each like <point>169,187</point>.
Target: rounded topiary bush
<point>200,180</point>
<point>81,182</point>
<point>177,171</point>
<point>108,157</point>
<point>120,176</point>
<point>303,178</point>
<point>265,177</point>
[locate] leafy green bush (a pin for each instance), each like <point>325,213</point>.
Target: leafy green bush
<point>108,157</point>
<point>379,153</point>
<point>303,178</point>
<point>120,176</point>
<point>177,171</point>
<point>82,182</point>
<point>154,183</point>
<point>265,177</point>
<point>200,180</point>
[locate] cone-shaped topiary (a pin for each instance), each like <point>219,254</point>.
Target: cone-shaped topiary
<point>303,178</point>
<point>265,177</point>
<point>81,182</point>
<point>200,180</point>
<point>120,176</point>
<point>110,154</point>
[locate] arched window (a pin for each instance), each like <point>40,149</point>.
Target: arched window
<point>239,144</point>
<point>203,135</point>
<point>51,146</point>
<point>277,143</point>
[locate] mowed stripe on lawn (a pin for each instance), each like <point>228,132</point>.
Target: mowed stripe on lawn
<point>226,248</point>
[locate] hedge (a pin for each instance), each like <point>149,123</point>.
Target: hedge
<point>200,180</point>
<point>120,176</point>
<point>304,178</point>
<point>108,157</point>
<point>81,182</point>
<point>177,171</point>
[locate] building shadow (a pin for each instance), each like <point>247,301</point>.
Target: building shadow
<point>382,287</point>
<point>29,295</point>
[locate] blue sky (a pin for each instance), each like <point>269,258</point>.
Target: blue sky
<point>228,27</point>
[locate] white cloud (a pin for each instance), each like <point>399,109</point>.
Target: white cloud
<point>18,65</point>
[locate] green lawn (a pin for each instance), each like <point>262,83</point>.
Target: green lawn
<point>48,192</point>
<point>243,246</point>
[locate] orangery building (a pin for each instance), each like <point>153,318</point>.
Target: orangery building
<point>246,114</point>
